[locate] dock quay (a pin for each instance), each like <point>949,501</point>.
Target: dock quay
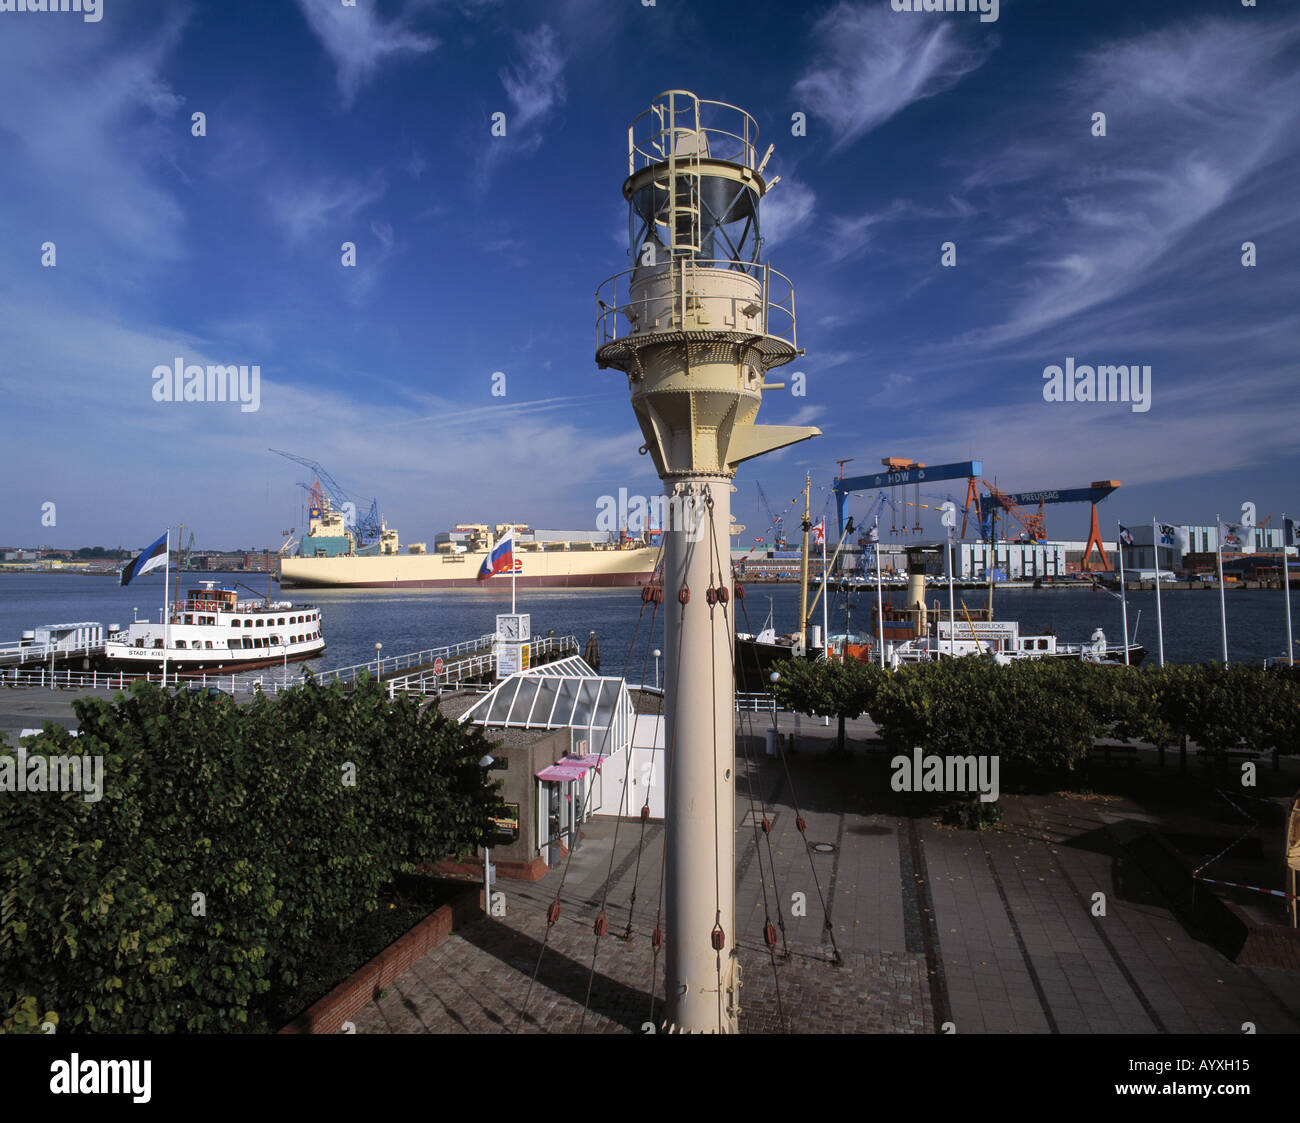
<point>55,645</point>
<point>469,663</point>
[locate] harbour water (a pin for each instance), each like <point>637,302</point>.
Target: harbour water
<point>412,620</point>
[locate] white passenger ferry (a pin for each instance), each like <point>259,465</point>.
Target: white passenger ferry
<point>215,631</point>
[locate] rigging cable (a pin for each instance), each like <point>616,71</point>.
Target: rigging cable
<point>553,910</point>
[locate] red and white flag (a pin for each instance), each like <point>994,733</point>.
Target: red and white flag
<point>819,533</point>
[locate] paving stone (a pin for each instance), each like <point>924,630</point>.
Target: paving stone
<point>1005,914</point>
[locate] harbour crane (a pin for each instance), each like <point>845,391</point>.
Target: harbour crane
<point>900,473</point>
<point>1015,502</point>
<point>776,527</point>
<point>1033,526</point>
<point>369,526</point>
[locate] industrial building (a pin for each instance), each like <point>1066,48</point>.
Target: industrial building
<point>1186,541</point>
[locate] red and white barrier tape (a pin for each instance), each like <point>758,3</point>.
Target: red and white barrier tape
<point>1253,888</point>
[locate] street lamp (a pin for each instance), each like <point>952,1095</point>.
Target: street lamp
<point>485,763</point>
<point>657,653</point>
<point>774,678</point>
<point>378,664</point>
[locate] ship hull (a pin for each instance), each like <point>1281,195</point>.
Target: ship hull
<point>186,668</point>
<point>560,569</point>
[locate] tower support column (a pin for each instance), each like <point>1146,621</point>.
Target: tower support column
<point>702,978</point>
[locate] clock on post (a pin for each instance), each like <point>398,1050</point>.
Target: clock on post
<point>512,637</point>
<point>514,627</point>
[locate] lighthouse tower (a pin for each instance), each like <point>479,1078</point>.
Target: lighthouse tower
<point>696,324</point>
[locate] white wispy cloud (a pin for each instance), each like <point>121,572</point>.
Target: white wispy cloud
<point>535,83</point>
<point>1139,449</point>
<point>360,41</point>
<point>1195,113</point>
<point>83,119</point>
<point>851,235</point>
<point>534,87</point>
<point>786,210</point>
<point>323,202</point>
<point>806,415</point>
<point>873,62</point>
<point>432,461</point>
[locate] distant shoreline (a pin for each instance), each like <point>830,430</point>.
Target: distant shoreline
<point>61,571</point>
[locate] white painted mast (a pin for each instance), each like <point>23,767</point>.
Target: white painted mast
<point>1123,603</point>
<point>695,325</point>
<point>1286,585</point>
<point>1160,620</point>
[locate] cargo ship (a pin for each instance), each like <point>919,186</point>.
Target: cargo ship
<point>330,557</point>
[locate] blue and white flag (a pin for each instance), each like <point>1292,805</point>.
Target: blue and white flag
<point>1168,534</point>
<point>1125,535</point>
<point>152,557</point>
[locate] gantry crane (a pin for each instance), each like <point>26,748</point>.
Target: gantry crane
<point>1014,503</point>
<point>899,473</point>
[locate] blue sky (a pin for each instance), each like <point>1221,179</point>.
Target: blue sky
<point>477,254</point>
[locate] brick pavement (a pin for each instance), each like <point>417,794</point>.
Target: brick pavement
<point>992,931</point>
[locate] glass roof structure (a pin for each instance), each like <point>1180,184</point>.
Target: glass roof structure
<point>566,694</point>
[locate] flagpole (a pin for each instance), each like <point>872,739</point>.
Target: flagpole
<point>880,604</point>
<point>1286,584</point>
<point>1223,607</point>
<point>1123,604</point>
<point>826,612</point>
<point>167,572</point>
<point>1160,622</point>
<point>952,619</point>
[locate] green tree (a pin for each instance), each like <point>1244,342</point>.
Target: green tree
<point>234,848</point>
<point>1022,712</point>
<point>828,689</point>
